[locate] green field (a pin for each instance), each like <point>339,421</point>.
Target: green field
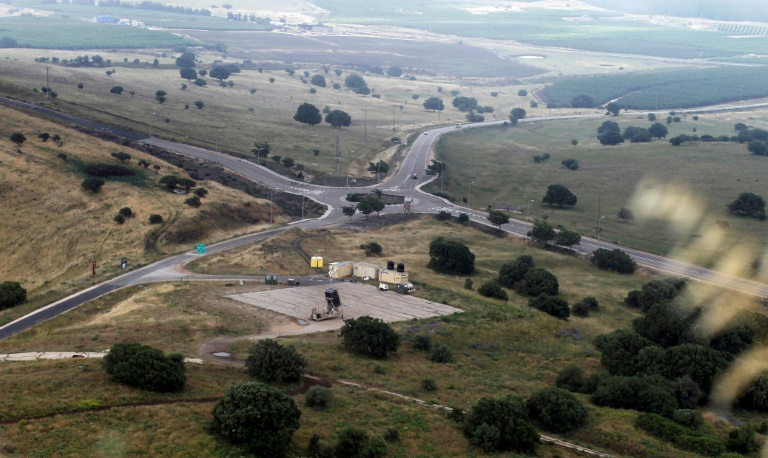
<point>664,90</point>
<point>710,174</point>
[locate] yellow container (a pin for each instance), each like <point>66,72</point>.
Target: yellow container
<point>319,261</point>
<point>313,262</point>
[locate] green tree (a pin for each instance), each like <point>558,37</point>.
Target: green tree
<point>571,378</point>
<point>522,92</point>
<point>497,218</point>
<point>758,147</point>
<point>11,294</point>
<point>567,238</point>
<point>658,130</point>
<point>308,114</point>
<point>199,104</point>
<point>261,149</point>
<point>610,138</point>
<point>570,164</point>
<point>742,440</point>
<point>318,397</point>
<point>338,118</point>
<point>700,363</point>
<point>651,117</point>
<point>665,325</point>
<point>116,90</point>
<point>258,417</point>
<point>582,101</point>
<point>608,126</point>
<point>18,138</point>
<point>551,305</point>
<point>194,202</point>
<point>92,184</point>
<point>369,335</point>
<point>271,362</point>
<point>465,103</point>
<point>626,215</point>
<point>620,349</point>
<point>434,104</point>
<point>369,205</point>
<point>200,82</point>
<point>559,195</point>
<point>350,443</point>
<point>613,108</point>
<point>144,163</point>
<point>512,272</point>
<point>318,80</point>
<point>450,257</point>
<point>501,424</point>
<point>155,219</point>
<point>348,211</point>
<point>395,71</point>
<point>616,260</point>
<point>122,157</point>
<point>538,281</point>
<point>188,74</point>
<point>493,290</point>
<point>220,72</point>
<point>145,367</point>
<point>354,81</point>
<point>542,232</point>
<point>556,409</point>
<point>186,60</point>
<point>516,114</point>
<point>749,205</point>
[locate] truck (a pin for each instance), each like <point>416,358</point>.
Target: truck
<point>383,287</point>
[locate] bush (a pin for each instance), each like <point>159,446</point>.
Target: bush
<point>11,294</point>
<point>119,219</point>
<point>469,284</point>
<point>615,260</point>
<point>682,437</point>
<point>552,305</point>
<point>507,427</point>
<point>742,440</point>
<point>586,305</point>
<point>369,335</point>
<point>571,378</point>
<point>257,416</point>
<point>375,447</point>
<point>441,354</point>
<point>318,397</point>
<point>493,290</point>
<point>620,351</point>
<point>193,202</point>
<point>463,218</point>
<point>350,442</point>
<point>538,281</point>
<point>145,367</point>
<point>155,219</point>
<point>271,362</point>
<point>646,394</point>
<point>108,170</point>
<point>422,343</point>
<point>688,417</point>
<point>687,392</point>
<point>92,184</point>
<point>557,410</point>
<point>443,215</point>
<point>392,434</point>
<point>428,384</point>
<point>512,272</point>
<point>126,211</point>
<point>371,247</point>
<point>450,257</point>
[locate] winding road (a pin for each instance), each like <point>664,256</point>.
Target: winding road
<point>401,184</point>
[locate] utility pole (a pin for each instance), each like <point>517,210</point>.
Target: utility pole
<point>48,85</point>
<point>599,201</point>
<point>393,116</point>
<point>338,155</point>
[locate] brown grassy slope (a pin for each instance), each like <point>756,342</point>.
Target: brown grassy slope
<point>51,229</point>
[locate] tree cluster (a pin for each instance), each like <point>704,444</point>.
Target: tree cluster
<point>749,205</point>
<point>559,195</point>
<point>615,260</point>
<point>145,367</point>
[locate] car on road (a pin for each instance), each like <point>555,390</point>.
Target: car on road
<point>458,126</point>
<point>414,176</point>
<point>426,133</point>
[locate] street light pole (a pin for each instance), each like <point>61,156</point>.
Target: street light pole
<point>528,213</point>
<point>469,193</point>
<point>598,227</point>
<point>599,211</point>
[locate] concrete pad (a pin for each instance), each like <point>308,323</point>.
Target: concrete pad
<point>358,299</point>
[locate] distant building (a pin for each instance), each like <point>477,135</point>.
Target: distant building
<point>319,28</point>
<point>105,19</point>
<point>131,22</point>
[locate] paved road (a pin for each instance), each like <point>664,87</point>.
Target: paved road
<point>334,198</point>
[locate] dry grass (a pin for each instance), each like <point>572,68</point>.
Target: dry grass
<point>51,229</point>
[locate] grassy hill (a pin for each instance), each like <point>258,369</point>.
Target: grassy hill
<point>51,229</point>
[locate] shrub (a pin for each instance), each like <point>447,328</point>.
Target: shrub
<point>450,257</point>
<point>369,335</point>
<point>375,447</point>
<point>422,343</point>
<point>512,272</point>
<point>428,384</point>
<point>586,305</point>
<point>126,211</point>
<point>615,260</point>
<point>556,409</point>
<point>646,394</point>
<point>688,417</point>
<point>155,219</point>
<point>11,294</point>
<point>682,437</point>
<point>443,215</point>
<point>119,219</point>
<point>441,354</point>
<point>350,442</point>
<point>145,367</point>
<point>468,284</point>
<point>620,351</point>
<point>318,398</point>
<point>392,434</point>
<point>552,305</point>
<point>493,290</point>
<point>108,170</point>
<point>538,281</point>
<point>507,427</point>
<point>372,247</point>
<point>257,416</point>
<point>456,414</point>
<point>742,440</point>
<point>200,192</point>
<point>271,362</point>
<point>571,378</point>
<point>687,392</point>
<point>463,218</point>
<point>92,184</point>
<point>193,202</point>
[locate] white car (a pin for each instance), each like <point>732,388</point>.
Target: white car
<point>383,287</point>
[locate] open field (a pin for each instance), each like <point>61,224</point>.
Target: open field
<point>233,118</point>
<point>710,174</point>
<point>498,347</point>
<point>665,90</point>
<point>52,229</point>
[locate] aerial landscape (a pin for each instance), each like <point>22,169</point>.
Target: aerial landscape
<point>383,229</point>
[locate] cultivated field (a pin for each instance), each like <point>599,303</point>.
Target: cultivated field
<point>709,175</point>
<point>51,229</point>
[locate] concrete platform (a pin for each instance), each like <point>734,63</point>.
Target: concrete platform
<point>358,300</point>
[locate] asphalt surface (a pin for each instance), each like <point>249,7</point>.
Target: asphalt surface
<point>401,184</point>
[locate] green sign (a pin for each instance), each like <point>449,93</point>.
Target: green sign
<point>201,248</point>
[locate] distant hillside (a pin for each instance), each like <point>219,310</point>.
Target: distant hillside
<point>51,229</point>
<point>734,10</point>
